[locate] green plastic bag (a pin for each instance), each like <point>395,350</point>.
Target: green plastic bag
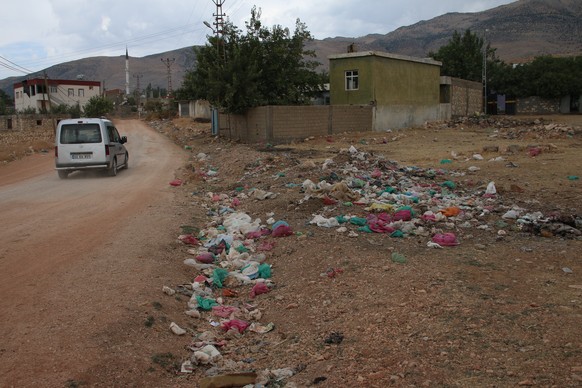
<point>264,271</point>
<point>205,304</point>
<point>358,221</point>
<point>218,276</point>
<point>365,229</point>
<point>397,233</point>
<point>398,258</point>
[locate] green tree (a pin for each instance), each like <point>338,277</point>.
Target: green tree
<point>462,58</point>
<point>6,103</point>
<point>260,67</point>
<point>549,77</point>
<point>97,106</point>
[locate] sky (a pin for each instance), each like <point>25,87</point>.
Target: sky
<point>37,34</point>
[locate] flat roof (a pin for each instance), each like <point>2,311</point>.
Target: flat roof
<point>427,61</point>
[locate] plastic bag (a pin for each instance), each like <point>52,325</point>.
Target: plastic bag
<point>445,239</point>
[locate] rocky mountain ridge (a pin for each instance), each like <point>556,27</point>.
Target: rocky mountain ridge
<point>519,31</point>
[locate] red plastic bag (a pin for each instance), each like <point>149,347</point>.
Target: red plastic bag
<point>282,231</point>
<point>189,239</point>
<point>206,258</point>
<point>258,289</point>
<point>176,182</point>
<point>238,324</point>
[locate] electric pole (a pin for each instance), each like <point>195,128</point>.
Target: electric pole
<point>168,62</point>
<point>137,90</point>
<point>219,28</point>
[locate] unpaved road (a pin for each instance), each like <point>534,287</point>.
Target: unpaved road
<point>76,256</point>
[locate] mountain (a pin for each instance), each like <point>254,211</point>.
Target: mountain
<point>519,31</point>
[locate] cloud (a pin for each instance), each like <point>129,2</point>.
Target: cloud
<point>105,23</point>
<point>43,33</point>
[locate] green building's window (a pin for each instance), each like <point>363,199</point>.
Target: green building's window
<point>351,80</point>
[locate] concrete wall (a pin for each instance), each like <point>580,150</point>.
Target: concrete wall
<point>199,109</point>
<point>281,124</point>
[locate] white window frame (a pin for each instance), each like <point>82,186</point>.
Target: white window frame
<point>352,80</point>
<point>70,92</point>
<point>81,92</point>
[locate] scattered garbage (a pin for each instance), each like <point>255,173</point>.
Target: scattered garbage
<point>177,329</point>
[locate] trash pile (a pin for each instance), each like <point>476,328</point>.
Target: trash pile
<point>411,201</point>
<point>513,128</point>
<point>230,257</point>
<point>359,193</point>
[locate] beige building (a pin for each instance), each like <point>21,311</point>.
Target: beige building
<point>33,93</point>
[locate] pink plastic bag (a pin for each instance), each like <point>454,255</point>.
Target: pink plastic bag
<point>258,289</point>
<point>445,239</point>
<point>282,231</point>
<point>205,258</point>
<point>402,215</point>
<point>176,182</point>
<point>189,239</point>
<point>241,326</point>
<point>224,311</point>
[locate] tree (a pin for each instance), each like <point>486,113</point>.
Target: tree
<point>97,106</point>
<point>261,67</point>
<point>462,58</point>
<point>549,77</point>
<point>6,103</point>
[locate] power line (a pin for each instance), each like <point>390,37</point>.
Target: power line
<point>13,66</point>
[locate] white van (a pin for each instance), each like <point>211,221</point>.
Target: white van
<point>89,143</point>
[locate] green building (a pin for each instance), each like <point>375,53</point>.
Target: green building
<point>404,91</point>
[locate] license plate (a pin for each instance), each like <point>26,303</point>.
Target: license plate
<point>81,156</point>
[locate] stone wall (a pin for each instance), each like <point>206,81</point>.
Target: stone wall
<point>537,105</point>
<point>26,122</point>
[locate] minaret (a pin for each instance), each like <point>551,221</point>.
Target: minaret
<point>126,72</point>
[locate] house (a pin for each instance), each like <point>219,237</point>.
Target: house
<point>33,93</point>
<point>404,91</point>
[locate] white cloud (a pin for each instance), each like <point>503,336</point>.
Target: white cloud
<point>42,33</point>
<point>105,23</point>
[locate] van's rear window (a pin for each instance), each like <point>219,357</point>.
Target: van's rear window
<point>80,133</point>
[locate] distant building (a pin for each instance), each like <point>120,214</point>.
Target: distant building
<point>33,93</point>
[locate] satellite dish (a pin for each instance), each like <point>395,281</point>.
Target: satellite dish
<point>80,76</point>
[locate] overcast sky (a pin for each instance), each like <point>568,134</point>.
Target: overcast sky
<point>37,34</point>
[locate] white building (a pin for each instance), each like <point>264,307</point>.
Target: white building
<point>33,93</point>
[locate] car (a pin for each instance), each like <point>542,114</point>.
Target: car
<point>89,143</point>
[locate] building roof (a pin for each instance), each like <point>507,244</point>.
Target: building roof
<point>41,81</point>
<point>427,61</point>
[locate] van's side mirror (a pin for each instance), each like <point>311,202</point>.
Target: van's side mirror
<point>123,139</point>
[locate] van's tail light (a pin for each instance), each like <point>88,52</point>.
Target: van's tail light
<point>107,150</point>
<point>56,151</point>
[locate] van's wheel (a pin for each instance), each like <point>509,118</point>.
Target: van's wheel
<point>113,169</point>
<point>126,165</point>
<point>63,174</point>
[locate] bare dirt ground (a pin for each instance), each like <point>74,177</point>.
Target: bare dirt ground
<point>502,308</point>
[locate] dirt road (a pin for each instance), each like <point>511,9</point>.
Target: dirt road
<point>76,256</point>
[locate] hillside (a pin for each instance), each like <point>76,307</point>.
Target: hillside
<point>519,31</point>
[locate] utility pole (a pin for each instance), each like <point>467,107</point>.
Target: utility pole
<point>138,94</point>
<point>48,95</point>
<point>168,62</point>
<point>484,70</point>
<point>219,27</point>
